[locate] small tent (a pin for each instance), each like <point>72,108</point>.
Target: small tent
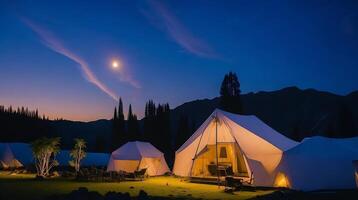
<point>137,155</point>
<point>14,155</point>
<point>243,145</point>
<point>319,163</point>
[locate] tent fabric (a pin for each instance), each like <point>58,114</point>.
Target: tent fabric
<point>355,165</point>
<point>321,163</point>
<point>138,155</point>
<point>15,155</point>
<point>261,146</point>
<point>91,159</point>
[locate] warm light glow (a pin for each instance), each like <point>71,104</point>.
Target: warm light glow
<point>115,64</point>
<point>281,181</point>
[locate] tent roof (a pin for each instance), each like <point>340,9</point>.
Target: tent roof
<point>323,146</point>
<point>255,125</point>
<point>135,151</point>
<point>249,122</point>
<point>20,151</point>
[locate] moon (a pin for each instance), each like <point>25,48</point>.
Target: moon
<point>115,64</point>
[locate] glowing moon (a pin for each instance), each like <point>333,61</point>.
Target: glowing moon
<point>115,64</point>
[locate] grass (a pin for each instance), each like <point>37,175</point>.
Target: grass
<point>23,186</point>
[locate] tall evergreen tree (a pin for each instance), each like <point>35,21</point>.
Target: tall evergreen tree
<point>133,126</point>
<point>118,127</point>
<point>115,136</point>
<point>149,121</point>
<point>230,94</point>
<point>121,124</point>
<point>162,135</point>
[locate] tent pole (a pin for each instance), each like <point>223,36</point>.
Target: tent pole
<point>241,151</point>
<point>196,151</point>
<point>216,148</point>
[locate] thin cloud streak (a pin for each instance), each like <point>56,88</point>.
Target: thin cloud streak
<point>124,76</point>
<point>54,44</point>
<point>180,33</point>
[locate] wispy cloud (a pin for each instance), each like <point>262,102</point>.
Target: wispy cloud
<point>49,40</point>
<point>180,34</point>
<point>126,77</point>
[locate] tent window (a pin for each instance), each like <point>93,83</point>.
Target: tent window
<point>223,153</point>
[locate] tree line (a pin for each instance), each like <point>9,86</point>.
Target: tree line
<point>156,127</point>
<point>22,124</point>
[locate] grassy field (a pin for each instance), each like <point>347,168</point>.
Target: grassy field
<point>23,186</point>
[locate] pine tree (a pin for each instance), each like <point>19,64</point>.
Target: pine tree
<point>149,121</point>
<point>118,127</point>
<point>121,124</point>
<point>230,94</point>
<point>114,137</point>
<point>133,126</point>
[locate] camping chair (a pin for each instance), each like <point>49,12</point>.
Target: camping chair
<point>212,169</point>
<point>222,170</point>
<point>140,174</point>
<point>229,171</point>
<point>232,184</point>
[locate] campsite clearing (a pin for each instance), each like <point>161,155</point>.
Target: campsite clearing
<point>24,186</point>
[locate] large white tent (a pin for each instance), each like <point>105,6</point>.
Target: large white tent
<point>255,147</point>
<point>137,155</point>
<point>319,163</point>
<point>14,155</point>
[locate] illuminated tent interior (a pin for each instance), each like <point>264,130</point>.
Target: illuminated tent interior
<point>229,157</point>
<point>227,144</point>
<point>134,156</point>
<point>15,155</point>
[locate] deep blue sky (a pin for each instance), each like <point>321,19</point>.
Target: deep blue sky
<point>170,51</point>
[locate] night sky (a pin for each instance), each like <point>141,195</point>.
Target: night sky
<point>56,55</point>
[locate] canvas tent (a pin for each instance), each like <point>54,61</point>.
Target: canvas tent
<point>91,159</point>
<point>243,144</point>
<point>355,164</point>
<point>14,155</point>
<point>137,155</point>
<point>319,163</point>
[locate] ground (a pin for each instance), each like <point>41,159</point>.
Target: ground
<point>24,186</point>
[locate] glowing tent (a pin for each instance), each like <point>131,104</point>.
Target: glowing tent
<point>137,155</point>
<point>243,145</point>
<point>14,155</point>
<point>319,163</point>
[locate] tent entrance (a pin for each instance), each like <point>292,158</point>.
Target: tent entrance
<point>126,165</point>
<point>230,161</point>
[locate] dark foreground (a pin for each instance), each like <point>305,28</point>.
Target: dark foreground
<point>25,187</point>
